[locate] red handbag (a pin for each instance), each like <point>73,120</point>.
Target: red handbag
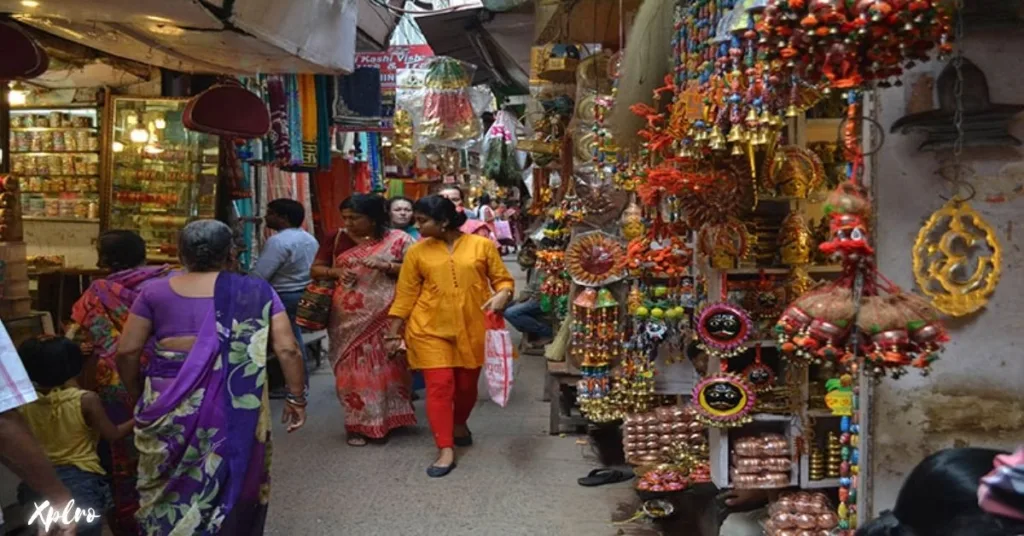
<point>23,58</point>
<point>227,110</point>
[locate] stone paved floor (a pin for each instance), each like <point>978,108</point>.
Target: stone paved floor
<point>515,480</point>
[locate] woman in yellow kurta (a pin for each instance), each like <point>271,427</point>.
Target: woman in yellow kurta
<point>447,282</point>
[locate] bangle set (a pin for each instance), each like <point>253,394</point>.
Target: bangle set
<point>297,400</point>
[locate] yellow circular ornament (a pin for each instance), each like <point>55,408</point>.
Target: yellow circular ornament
<point>957,259</point>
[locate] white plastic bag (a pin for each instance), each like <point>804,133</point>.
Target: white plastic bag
<point>498,358</point>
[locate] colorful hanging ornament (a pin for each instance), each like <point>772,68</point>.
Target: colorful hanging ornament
<point>448,115</point>
<point>595,259</point>
<point>724,400</point>
<point>724,329</point>
<point>890,329</point>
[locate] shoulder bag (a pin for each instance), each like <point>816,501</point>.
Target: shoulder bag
<point>314,309</point>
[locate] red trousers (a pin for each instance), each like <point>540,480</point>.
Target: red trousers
<point>451,395</point>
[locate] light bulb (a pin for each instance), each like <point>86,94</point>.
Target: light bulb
<point>160,124</point>
<point>117,147</point>
<point>132,119</point>
<point>17,97</point>
<point>29,3</point>
<point>139,135</point>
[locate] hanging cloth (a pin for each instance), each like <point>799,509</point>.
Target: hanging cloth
<point>323,120</point>
<point>307,99</point>
<point>279,139</point>
<point>331,188</point>
<point>294,120</point>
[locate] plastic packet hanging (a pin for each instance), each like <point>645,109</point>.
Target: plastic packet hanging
<point>500,163</point>
<point>448,117</point>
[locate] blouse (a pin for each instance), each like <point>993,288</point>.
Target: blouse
<point>441,294</point>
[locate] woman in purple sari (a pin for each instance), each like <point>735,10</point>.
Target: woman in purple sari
<point>203,417</point>
<point>98,319</point>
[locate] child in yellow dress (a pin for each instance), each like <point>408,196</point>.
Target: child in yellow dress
<point>68,422</point>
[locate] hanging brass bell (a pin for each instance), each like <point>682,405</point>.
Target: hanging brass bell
<point>735,134</point>
<point>791,111</point>
<point>751,116</point>
<point>718,145</point>
<point>760,138</point>
<point>716,134</point>
<point>737,150</point>
<point>766,118</point>
<point>702,135</point>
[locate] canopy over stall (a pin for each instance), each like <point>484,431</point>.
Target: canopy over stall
<point>215,36</point>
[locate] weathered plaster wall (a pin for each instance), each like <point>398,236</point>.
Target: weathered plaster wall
<point>975,396</point>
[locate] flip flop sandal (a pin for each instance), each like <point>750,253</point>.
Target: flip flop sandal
<point>600,477</point>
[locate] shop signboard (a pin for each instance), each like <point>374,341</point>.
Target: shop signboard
<point>389,62</point>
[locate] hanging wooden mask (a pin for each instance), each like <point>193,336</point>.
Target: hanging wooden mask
<point>724,329</point>
<point>759,375</point>
<point>724,400</point>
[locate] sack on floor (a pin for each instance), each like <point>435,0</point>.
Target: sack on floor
<point>498,357</point>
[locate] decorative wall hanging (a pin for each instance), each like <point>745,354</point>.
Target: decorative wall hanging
<point>595,259</point>
<point>724,244</point>
<point>984,123</point>
<point>794,172</point>
<point>761,376</point>
<point>765,299</point>
<point>724,329</point>
<point>794,240</point>
<point>957,259</point>
<point>724,400</point>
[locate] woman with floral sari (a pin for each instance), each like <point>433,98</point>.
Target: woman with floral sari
<point>365,258</point>
<point>98,319</point>
<point>203,417</point>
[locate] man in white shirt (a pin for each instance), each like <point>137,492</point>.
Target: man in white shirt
<point>285,262</point>
<point>19,450</point>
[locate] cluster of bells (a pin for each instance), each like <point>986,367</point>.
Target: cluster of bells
<point>846,44</point>
<point>756,130</point>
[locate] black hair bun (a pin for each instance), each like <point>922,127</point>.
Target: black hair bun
<point>459,220</point>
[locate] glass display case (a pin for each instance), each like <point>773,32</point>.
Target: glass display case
<point>55,153</point>
<point>160,175</point>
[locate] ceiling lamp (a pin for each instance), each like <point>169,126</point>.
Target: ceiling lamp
<point>117,147</point>
<point>139,135</point>
<point>30,3</point>
<point>160,124</point>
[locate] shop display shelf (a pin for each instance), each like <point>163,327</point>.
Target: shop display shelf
<point>821,484</point>
<point>60,219</point>
<point>61,176</point>
<point>51,153</point>
<point>53,129</point>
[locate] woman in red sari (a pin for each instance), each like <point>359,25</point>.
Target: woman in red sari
<point>364,258</point>
<point>98,318</point>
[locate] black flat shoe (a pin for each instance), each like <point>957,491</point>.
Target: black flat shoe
<point>436,471</point>
<point>464,441</point>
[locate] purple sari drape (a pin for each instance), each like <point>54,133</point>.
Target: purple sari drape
<point>203,424</point>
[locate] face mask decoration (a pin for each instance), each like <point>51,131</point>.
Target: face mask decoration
<point>724,329</point>
<point>724,400</point>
